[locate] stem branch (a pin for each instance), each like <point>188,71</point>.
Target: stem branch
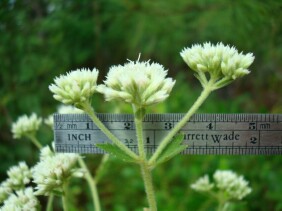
<point>92,184</point>
<point>89,110</point>
<point>205,93</point>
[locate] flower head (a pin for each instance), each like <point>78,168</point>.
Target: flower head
<point>138,83</point>
<point>76,87</point>
<point>218,60</point>
<point>5,191</point>
<point>202,184</point>
<point>22,200</point>
<point>226,184</point>
<point>46,152</point>
<point>52,172</point>
<point>18,176</point>
<point>26,125</point>
<point>63,109</point>
<point>235,186</point>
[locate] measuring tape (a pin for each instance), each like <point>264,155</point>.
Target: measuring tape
<point>231,134</point>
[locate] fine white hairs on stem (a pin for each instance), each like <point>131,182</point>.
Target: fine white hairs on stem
<point>138,83</point>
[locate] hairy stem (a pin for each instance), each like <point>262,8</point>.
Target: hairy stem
<point>145,168</point>
<point>92,185</point>
<point>149,188</point>
<point>205,93</point>
<point>89,110</point>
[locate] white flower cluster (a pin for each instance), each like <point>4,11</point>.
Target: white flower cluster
<point>5,191</point>
<point>138,83</point>
<point>218,60</point>
<point>22,200</point>
<point>26,125</point>
<point>52,172</point>
<point>18,176</point>
<point>76,87</point>
<point>63,109</point>
<point>202,184</point>
<point>233,186</point>
<point>45,152</point>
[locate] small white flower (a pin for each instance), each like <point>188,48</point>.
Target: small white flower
<point>138,83</point>
<point>26,125</point>
<point>5,191</point>
<point>22,200</point>
<point>62,109</point>
<point>202,184</point>
<point>46,152</point>
<point>18,176</point>
<point>235,186</point>
<point>219,60</point>
<point>52,172</point>
<point>76,87</point>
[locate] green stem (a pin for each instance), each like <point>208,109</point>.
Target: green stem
<point>89,110</point>
<point>50,203</point>
<point>149,188</point>
<point>205,93</point>
<point>92,184</point>
<point>34,140</point>
<point>100,168</point>
<point>145,168</point>
<point>138,119</point>
<point>64,198</point>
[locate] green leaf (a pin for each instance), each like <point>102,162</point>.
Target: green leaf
<point>173,148</point>
<point>115,151</point>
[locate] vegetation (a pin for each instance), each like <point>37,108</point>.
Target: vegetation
<point>42,39</point>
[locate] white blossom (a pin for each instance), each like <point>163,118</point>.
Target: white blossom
<point>218,60</point>
<point>75,87</point>
<point>26,125</point>
<point>138,83</point>
<point>46,152</point>
<point>22,200</point>
<point>5,191</point>
<point>202,184</point>
<point>52,172</point>
<point>62,109</point>
<point>18,176</point>
<point>235,186</point>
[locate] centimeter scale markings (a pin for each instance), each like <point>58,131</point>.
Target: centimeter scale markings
<point>204,133</point>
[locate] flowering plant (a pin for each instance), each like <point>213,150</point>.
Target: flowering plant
<point>140,84</point>
<point>143,84</point>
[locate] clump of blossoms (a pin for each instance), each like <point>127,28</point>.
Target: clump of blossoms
<point>24,200</point>
<point>18,176</point>
<point>5,191</point>
<point>76,87</point>
<point>26,125</point>
<point>222,62</point>
<point>53,172</point>
<point>138,83</point>
<point>227,187</point>
<point>143,84</point>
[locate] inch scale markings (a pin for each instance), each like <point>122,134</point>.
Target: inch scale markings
<point>204,134</point>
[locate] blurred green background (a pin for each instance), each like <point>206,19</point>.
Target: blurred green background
<point>41,39</point>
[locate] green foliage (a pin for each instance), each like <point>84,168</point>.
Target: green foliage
<point>42,39</point>
<point>115,151</point>
<point>173,148</point>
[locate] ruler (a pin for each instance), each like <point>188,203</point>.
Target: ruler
<point>232,134</point>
